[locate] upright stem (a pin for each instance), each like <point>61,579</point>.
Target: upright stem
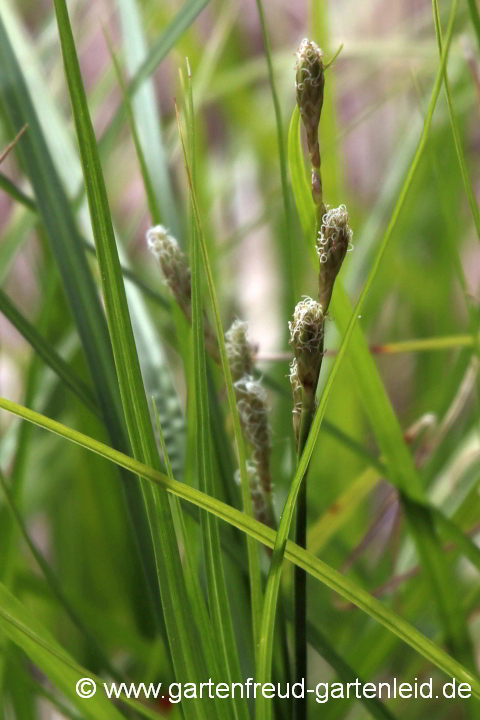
<point>300,576</point>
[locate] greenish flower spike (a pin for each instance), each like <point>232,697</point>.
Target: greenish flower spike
<point>174,266</point>
<point>333,243</point>
<point>309,83</point>
<point>306,331</point>
<point>240,350</point>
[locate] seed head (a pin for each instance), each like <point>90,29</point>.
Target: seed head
<point>239,350</point>
<point>253,410</point>
<point>306,331</point>
<point>174,265</point>
<point>309,83</point>
<point>333,242</point>
<point>257,494</point>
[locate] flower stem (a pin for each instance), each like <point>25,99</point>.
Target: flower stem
<point>300,577</point>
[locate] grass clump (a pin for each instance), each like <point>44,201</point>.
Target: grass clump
<point>341,438</point>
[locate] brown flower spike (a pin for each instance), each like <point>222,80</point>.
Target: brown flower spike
<point>333,242</point>
<point>306,338</point>
<point>174,266</point>
<point>309,83</point>
<point>240,350</point>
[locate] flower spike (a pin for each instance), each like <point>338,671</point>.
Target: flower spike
<point>307,330</point>
<point>333,242</point>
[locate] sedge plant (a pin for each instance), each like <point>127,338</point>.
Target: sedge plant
<point>133,556</point>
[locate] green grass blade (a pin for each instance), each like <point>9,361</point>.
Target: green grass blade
<point>80,289</point>
<point>152,358</point>
<point>253,556</point>
<point>342,510</point>
<point>194,589</point>
<point>26,632</point>
<point>52,581</point>
<point>158,52</point>
<point>454,123</point>
<point>345,672</point>
<point>301,189</point>
<point>430,344</point>
<point>11,189</point>
<point>264,706</point>
<point>464,544</point>
<point>23,629</point>
<point>188,662</point>
<point>474,14</point>
<point>293,290</point>
<point>318,569</point>
<point>146,117</point>
<point>147,181</point>
<point>216,585</point>
<point>48,353</point>
<point>345,504</point>
<point>128,274</point>
<point>60,226</point>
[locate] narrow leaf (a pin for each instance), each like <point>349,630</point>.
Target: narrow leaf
<point>48,353</point>
<point>318,569</point>
<point>59,222</point>
<point>217,589</point>
<point>188,662</point>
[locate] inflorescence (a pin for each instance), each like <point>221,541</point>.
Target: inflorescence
<point>174,265</point>
<point>333,242</point>
<point>252,408</point>
<point>306,338</point>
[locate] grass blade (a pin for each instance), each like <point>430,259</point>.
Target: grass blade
<point>80,289</point>
<point>180,23</point>
<point>318,569</point>
<point>472,6</point>
<point>53,583</point>
<point>188,662</point>
<point>454,123</point>
<point>191,578</point>
<point>147,181</point>
<point>253,557</point>
<point>216,585</point>
<point>50,196</point>
<point>375,707</point>
<point>9,187</point>
<point>301,190</point>
<point>282,158</point>
<point>402,474</point>
<point>146,117</point>
<point>155,369</point>
<point>22,628</point>
<point>48,353</point>
<point>26,632</point>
